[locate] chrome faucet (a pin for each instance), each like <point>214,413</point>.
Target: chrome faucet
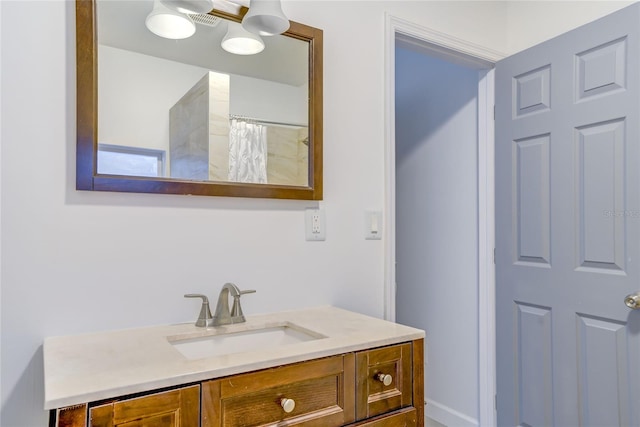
<point>222,315</point>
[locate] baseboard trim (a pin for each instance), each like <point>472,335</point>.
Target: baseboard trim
<point>447,416</point>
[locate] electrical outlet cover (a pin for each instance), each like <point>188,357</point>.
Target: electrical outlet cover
<point>314,225</point>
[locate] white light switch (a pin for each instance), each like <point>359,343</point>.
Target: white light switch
<point>373,225</point>
<point>314,224</point>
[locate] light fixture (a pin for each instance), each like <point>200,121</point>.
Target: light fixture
<point>168,23</point>
<point>265,17</point>
<point>240,41</point>
<point>190,6</point>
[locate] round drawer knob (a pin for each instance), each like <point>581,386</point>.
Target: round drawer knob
<point>384,378</point>
<point>287,404</point>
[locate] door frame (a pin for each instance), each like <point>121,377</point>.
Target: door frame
<point>462,52</point>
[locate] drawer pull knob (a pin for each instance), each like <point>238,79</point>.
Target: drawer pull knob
<point>384,378</point>
<point>287,404</point>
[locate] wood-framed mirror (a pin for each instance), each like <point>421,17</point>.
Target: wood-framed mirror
<point>118,123</point>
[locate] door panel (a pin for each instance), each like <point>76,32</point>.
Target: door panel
<point>600,183</point>
<point>531,170</point>
<point>603,384</point>
<point>568,228</point>
<point>535,391</point>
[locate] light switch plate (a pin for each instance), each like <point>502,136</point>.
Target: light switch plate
<point>314,225</point>
<point>373,225</point>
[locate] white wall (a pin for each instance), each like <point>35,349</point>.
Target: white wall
<point>437,226</point>
<point>1,104</point>
<point>152,86</point>
<point>77,262</point>
<point>271,101</point>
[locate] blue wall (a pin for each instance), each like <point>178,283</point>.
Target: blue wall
<point>437,226</point>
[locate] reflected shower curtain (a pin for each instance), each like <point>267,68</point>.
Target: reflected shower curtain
<point>247,152</point>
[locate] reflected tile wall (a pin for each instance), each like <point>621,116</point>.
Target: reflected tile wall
<point>303,157</point>
<point>219,127</point>
<point>199,138</point>
<point>287,154</point>
<point>199,130</point>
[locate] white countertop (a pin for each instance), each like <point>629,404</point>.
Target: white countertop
<point>89,367</point>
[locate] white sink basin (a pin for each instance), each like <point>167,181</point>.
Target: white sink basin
<point>218,344</point>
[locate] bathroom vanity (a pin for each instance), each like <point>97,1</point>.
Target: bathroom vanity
<point>313,367</point>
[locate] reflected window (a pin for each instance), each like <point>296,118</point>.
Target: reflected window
<point>133,161</point>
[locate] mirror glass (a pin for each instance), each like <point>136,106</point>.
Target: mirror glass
<point>186,111</point>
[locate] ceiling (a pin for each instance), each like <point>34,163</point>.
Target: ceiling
<point>120,24</point>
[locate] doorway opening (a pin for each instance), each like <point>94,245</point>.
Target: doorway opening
<point>439,214</point>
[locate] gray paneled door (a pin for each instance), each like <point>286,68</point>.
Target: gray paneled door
<point>568,228</point>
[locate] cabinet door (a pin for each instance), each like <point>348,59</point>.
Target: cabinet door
<point>321,389</point>
<point>407,417</point>
<point>173,408</point>
<point>71,416</point>
<point>384,380</point>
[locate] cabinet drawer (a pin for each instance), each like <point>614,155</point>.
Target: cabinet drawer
<point>172,408</point>
<point>407,417</point>
<point>319,388</point>
<point>373,396</point>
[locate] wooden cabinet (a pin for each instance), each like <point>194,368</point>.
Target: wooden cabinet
<point>390,386</point>
<point>381,387</point>
<point>319,392</point>
<point>384,380</point>
<point>173,408</point>
<point>407,417</point>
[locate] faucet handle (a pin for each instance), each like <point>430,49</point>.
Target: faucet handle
<point>237,315</point>
<point>204,319</point>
